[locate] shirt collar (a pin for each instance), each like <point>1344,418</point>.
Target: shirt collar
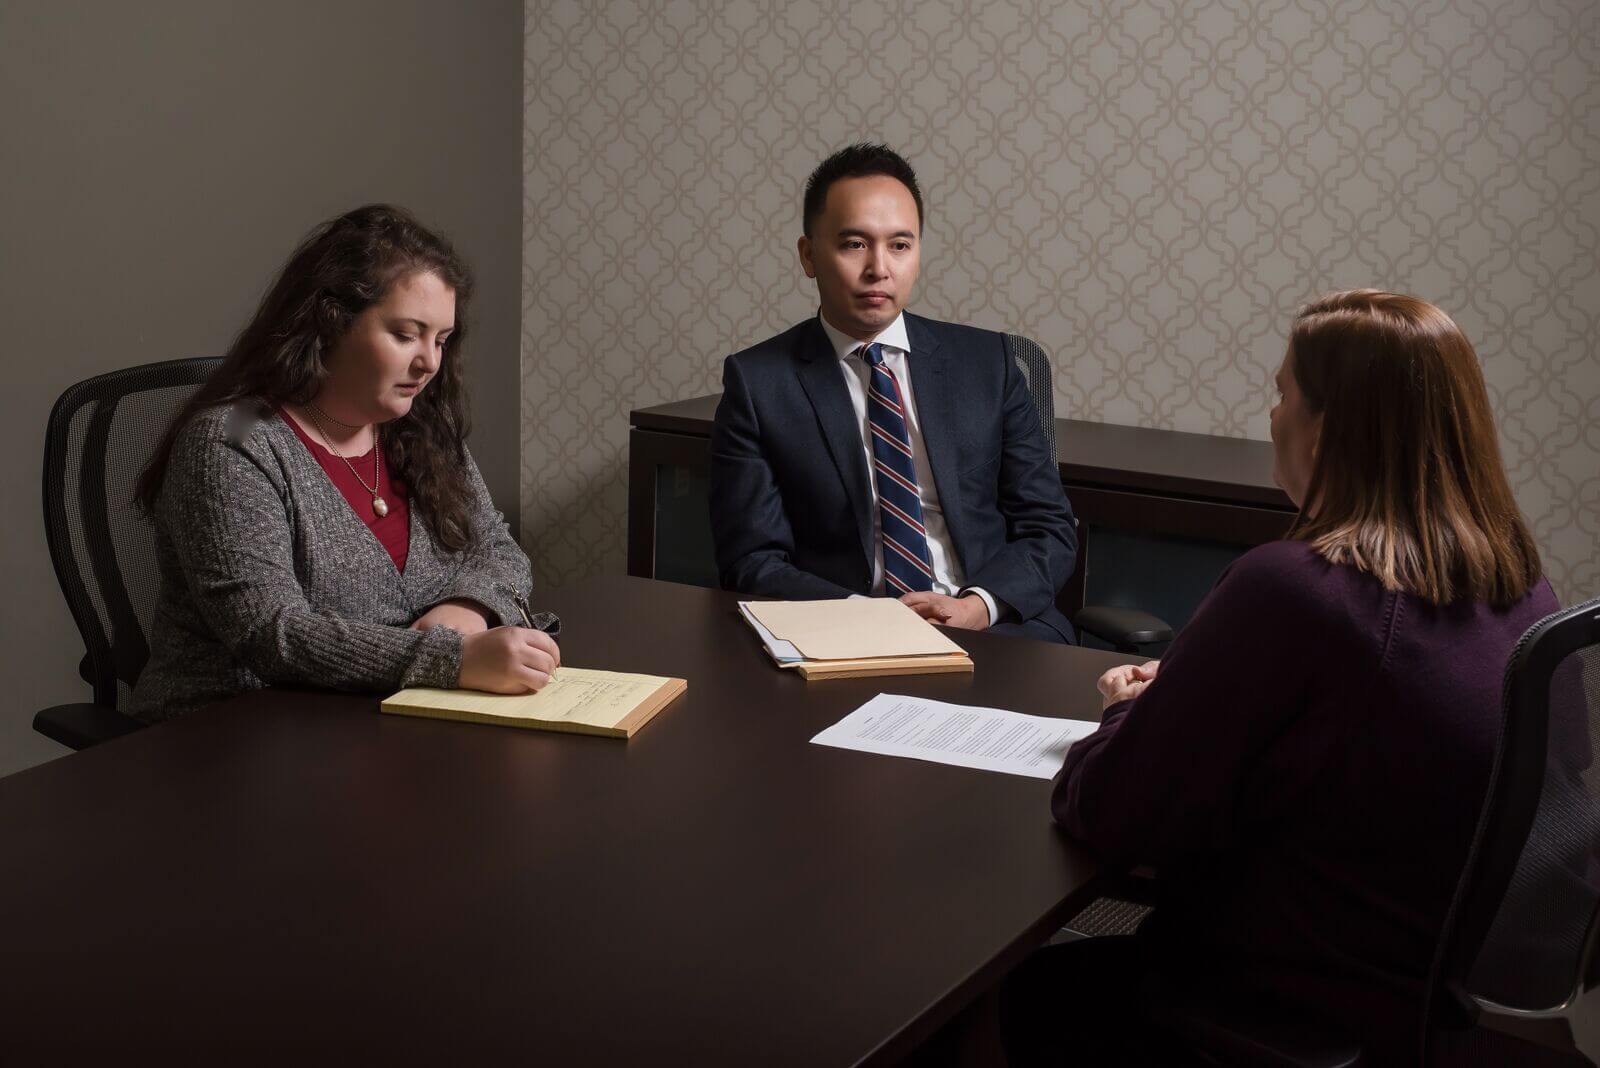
<point>893,337</point>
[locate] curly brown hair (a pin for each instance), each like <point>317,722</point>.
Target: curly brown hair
<point>343,267</point>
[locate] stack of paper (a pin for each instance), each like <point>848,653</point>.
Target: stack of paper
<point>852,637</point>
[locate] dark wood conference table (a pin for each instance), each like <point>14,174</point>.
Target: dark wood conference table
<point>291,872</point>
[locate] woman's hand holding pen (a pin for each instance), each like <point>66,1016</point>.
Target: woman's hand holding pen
<point>508,660</point>
<point>1127,681</point>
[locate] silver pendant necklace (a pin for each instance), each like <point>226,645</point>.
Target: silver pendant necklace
<point>380,507</point>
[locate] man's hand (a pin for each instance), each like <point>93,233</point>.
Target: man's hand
<point>968,613</point>
<point>1126,682</point>
<point>462,616</point>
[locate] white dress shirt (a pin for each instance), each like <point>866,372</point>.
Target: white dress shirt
<point>948,578</point>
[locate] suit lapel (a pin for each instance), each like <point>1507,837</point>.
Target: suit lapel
<point>936,417</point>
<point>822,380</point>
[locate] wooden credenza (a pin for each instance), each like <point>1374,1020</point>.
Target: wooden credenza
<point>1160,512</point>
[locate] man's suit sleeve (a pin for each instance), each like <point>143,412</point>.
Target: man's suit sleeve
<point>753,538</point>
<point>1042,542</point>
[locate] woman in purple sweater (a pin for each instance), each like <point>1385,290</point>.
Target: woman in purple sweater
<point>1306,766</point>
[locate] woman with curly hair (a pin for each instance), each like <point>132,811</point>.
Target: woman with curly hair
<point>319,521</point>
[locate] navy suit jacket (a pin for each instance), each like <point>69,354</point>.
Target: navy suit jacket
<point>790,498</point>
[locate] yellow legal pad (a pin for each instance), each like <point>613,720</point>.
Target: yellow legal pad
<point>578,700</point>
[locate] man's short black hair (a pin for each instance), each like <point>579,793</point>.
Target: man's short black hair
<point>859,160</point>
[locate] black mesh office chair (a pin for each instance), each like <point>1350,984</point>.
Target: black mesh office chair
<point>1127,630</point>
<point>101,433</point>
<point>1520,940</point>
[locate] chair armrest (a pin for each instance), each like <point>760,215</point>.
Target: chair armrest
<point>1124,628</point>
<point>83,725</point>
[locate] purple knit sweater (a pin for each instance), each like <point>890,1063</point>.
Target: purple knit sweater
<point>1305,773</point>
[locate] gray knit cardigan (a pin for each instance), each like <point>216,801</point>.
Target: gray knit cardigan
<point>268,577</point>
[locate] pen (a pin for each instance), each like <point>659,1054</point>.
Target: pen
<point>549,624</point>
<point>523,608</point>
<point>519,601</point>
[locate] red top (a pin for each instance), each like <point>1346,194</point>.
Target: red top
<point>393,531</point>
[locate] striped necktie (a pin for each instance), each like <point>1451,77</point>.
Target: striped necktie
<point>907,567</point>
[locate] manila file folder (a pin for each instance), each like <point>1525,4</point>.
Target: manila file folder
<point>857,636</point>
<point>577,700</point>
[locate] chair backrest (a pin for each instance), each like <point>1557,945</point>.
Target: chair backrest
<point>102,432</point>
<point>1521,931</point>
<point>1036,372</point>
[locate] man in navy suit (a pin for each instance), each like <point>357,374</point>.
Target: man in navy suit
<point>867,451</point>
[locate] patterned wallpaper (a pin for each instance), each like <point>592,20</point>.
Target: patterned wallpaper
<point>1147,188</point>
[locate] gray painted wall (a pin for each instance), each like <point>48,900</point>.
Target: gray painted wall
<point>160,162</point>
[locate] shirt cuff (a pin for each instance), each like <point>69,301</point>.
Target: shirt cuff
<point>437,662</point>
<point>988,600</point>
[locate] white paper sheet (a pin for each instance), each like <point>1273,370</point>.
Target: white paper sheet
<point>990,739</point>
<point>783,652</point>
